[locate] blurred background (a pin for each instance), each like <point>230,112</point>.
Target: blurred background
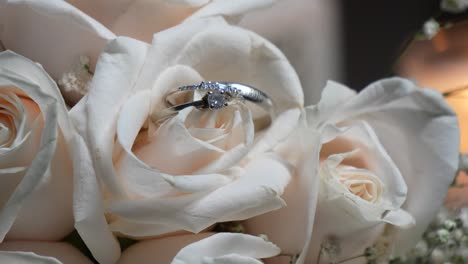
<point>354,42</point>
<point>359,42</point>
<point>374,34</point>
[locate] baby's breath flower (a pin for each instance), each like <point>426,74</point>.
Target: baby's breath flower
<point>463,216</point>
<point>431,28</point>
<point>77,79</point>
<point>421,249</point>
<point>437,256</point>
<point>450,225</point>
<point>331,248</point>
<point>443,236</point>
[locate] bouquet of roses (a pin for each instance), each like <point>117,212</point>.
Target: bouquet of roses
<point>187,141</point>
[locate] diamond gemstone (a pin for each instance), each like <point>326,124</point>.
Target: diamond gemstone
<point>216,99</point>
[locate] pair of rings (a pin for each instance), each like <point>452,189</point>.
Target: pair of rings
<point>214,95</point>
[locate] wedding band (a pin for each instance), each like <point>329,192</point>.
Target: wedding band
<point>217,95</point>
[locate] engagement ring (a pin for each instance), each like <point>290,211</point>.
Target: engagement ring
<point>214,95</point>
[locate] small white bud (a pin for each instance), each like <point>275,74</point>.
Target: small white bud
<point>463,252</point>
<point>463,215</point>
<point>431,28</point>
<point>450,225</point>
<point>458,235</point>
<point>77,79</point>
<point>84,60</point>
<point>421,248</point>
<point>331,248</point>
<point>443,236</point>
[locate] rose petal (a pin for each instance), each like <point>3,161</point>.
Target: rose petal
<point>235,154</point>
<point>231,10</point>
<point>59,251</point>
<point>227,246</point>
<point>112,84</point>
<point>26,258</point>
<point>141,230</point>
<point>193,3</point>
<point>292,226</point>
<point>333,95</point>
<point>138,19</point>
<point>88,208</point>
<point>282,126</point>
<point>34,28</point>
<point>309,35</point>
<point>162,249</point>
<point>231,259</point>
<point>256,192</point>
<point>40,208</point>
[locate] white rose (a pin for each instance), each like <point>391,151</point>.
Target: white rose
<point>40,252</point>
<point>185,174</point>
<point>204,248</point>
<point>388,156</point>
<point>36,172</point>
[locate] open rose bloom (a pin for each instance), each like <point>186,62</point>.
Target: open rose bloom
<point>36,136</point>
<point>190,171</point>
<point>372,170</point>
<point>316,184</point>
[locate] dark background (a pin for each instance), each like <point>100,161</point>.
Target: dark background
<point>375,32</point>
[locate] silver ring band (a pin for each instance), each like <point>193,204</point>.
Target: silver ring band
<point>217,96</point>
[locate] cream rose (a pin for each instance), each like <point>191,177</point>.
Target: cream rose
<point>189,172</point>
<point>386,157</point>
<point>36,172</point>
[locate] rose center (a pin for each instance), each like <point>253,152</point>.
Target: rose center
<point>5,134</point>
<point>366,187</point>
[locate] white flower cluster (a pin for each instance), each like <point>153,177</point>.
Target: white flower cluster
<point>444,242</point>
